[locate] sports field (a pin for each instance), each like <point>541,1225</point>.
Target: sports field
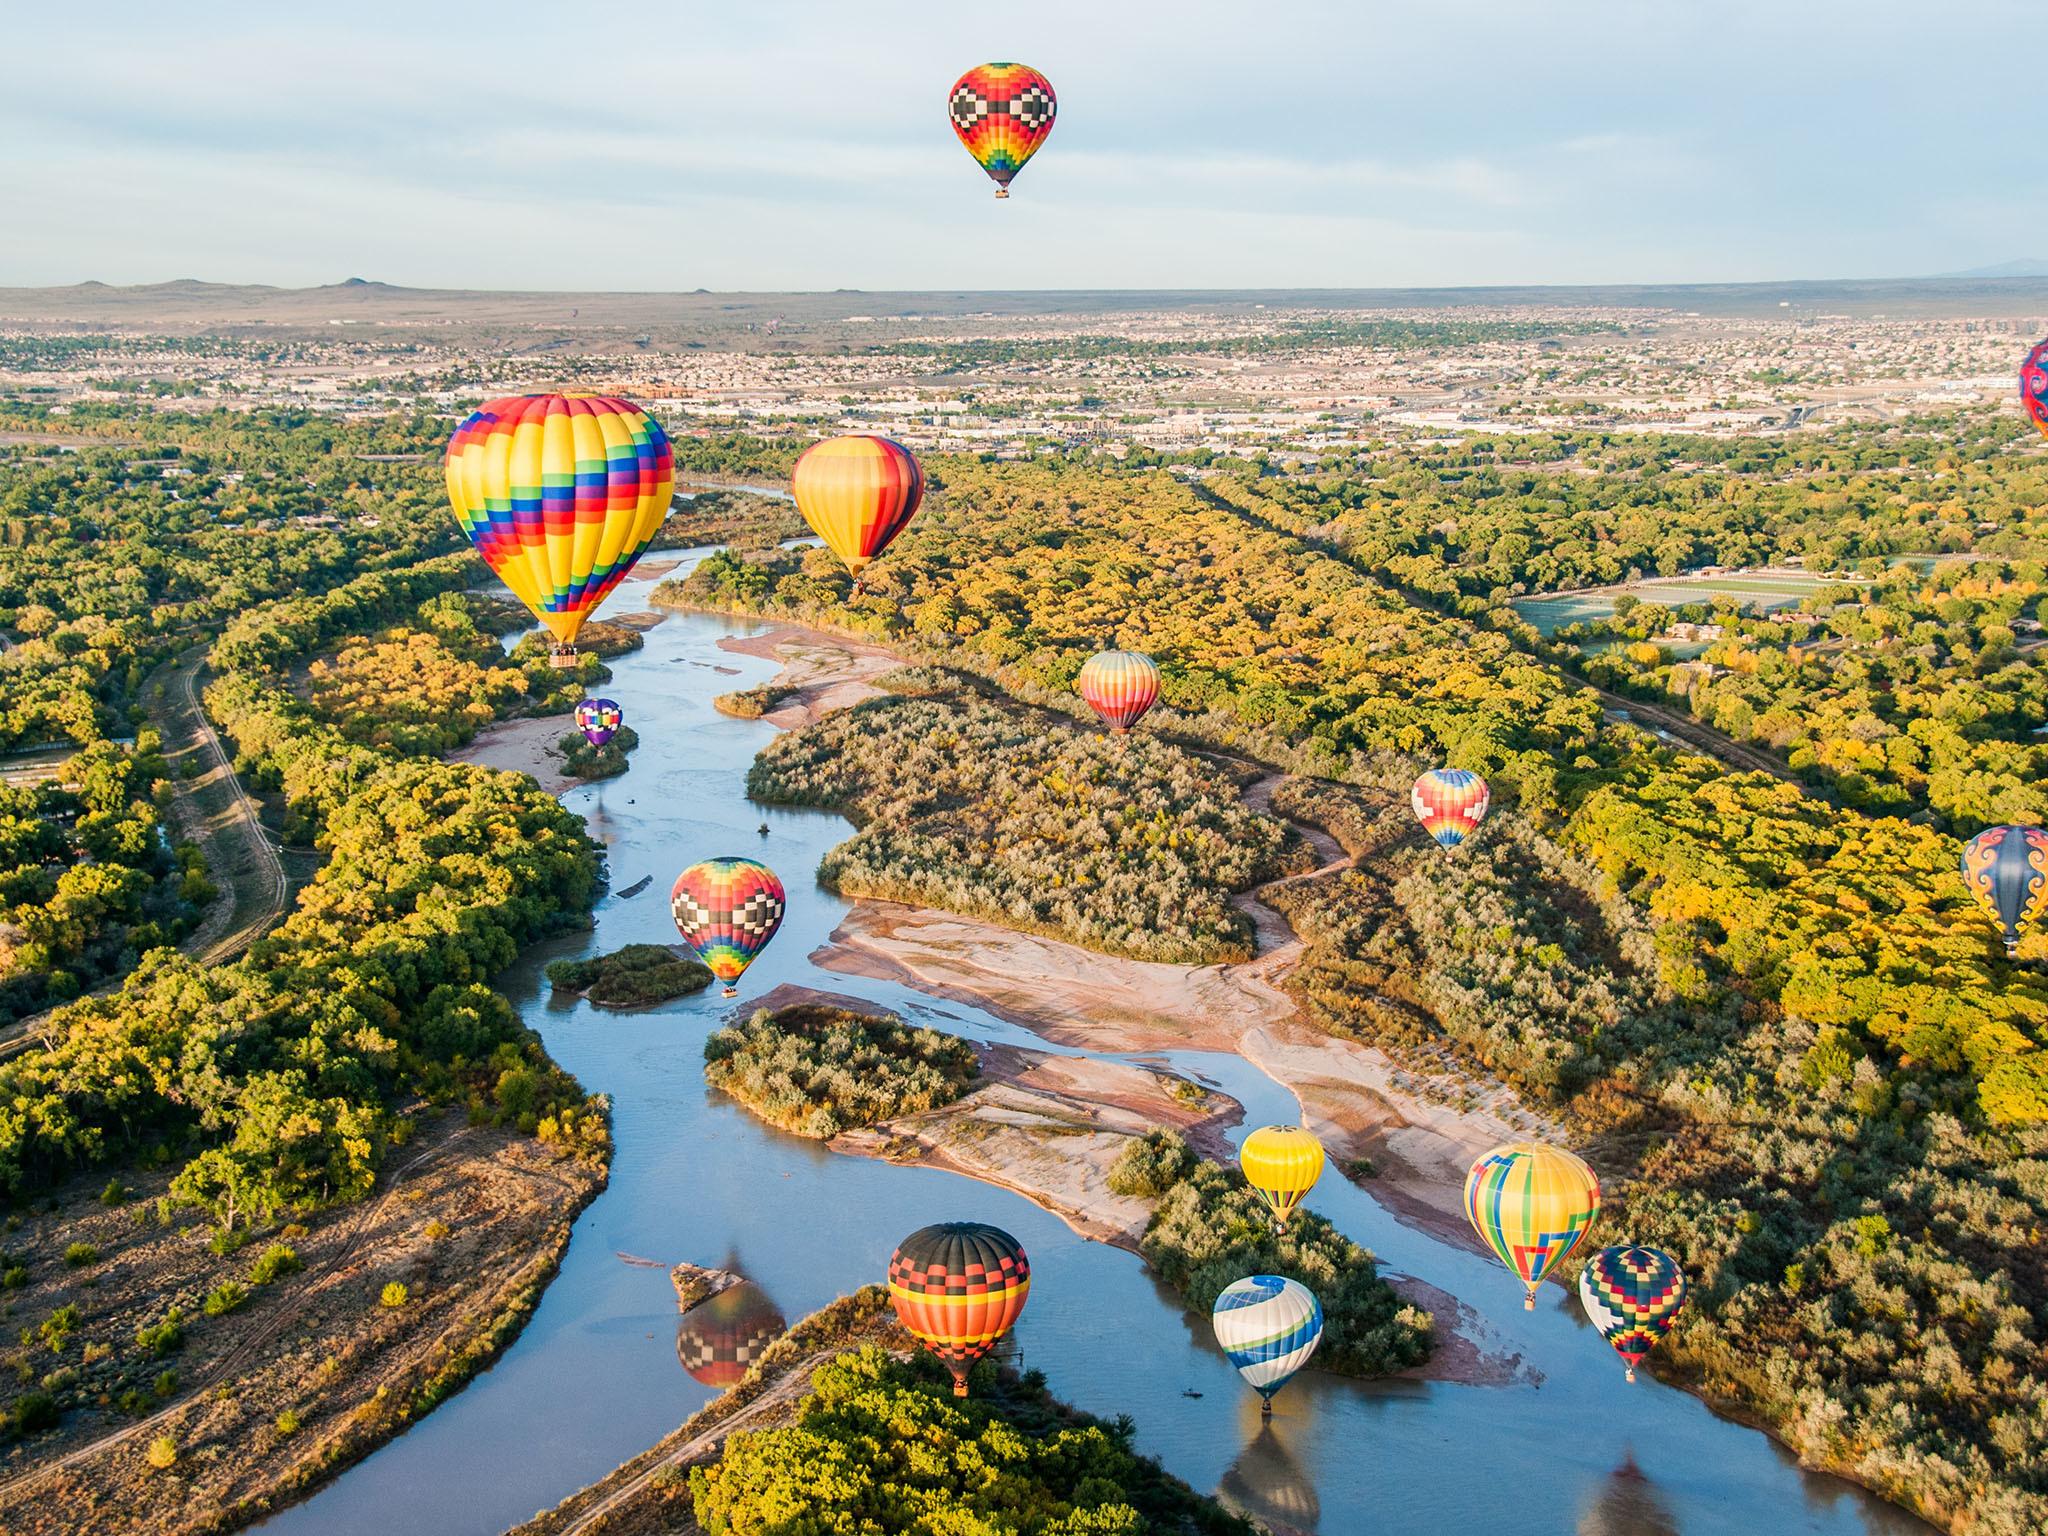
<point>1762,591</point>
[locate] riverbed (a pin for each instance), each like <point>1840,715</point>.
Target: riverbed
<point>1565,1445</point>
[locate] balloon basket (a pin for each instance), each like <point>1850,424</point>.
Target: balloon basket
<point>959,1386</point>
<point>1002,191</point>
<point>735,992</point>
<point>1265,1407</point>
<point>1529,1302</point>
<point>562,657</point>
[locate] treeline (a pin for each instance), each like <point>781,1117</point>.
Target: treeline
<point>880,1444</point>
<point>1128,845</point>
<point>817,1071</point>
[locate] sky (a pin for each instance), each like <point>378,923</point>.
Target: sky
<point>804,144</point>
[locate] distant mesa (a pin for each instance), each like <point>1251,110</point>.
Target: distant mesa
<point>2025,266</point>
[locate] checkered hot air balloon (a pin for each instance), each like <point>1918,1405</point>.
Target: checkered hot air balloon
<point>2034,386</point>
<point>1633,1296</point>
<point>1268,1327</point>
<point>1281,1163</point>
<point>958,1287</point>
<point>857,493</point>
<point>560,494</point>
<point>1003,113</point>
<point>599,720</point>
<point>1531,1205</point>
<point>727,910</point>
<point>1450,803</point>
<point>2006,869</point>
<point>1120,686</point>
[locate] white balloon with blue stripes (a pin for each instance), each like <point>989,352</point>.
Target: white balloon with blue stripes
<point>1268,1327</point>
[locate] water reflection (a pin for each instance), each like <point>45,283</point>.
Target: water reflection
<point>1269,1484</point>
<point>719,1340</point>
<point>1628,1504</point>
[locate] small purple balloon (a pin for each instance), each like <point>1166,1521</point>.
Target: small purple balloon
<point>599,720</point>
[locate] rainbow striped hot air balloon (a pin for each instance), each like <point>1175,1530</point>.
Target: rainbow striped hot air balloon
<point>1120,686</point>
<point>1450,803</point>
<point>2006,869</point>
<point>857,493</point>
<point>958,1287</point>
<point>1268,1327</point>
<point>2034,386</point>
<point>560,494</point>
<point>599,720</point>
<point>1282,1164</point>
<point>1532,1205</point>
<point>727,910</point>
<point>1633,1296</point>
<point>1003,114</point>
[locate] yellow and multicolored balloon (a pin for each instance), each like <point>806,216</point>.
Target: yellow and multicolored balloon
<point>1281,1163</point>
<point>857,493</point>
<point>1003,113</point>
<point>1532,1205</point>
<point>560,494</point>
<point>727,910</point>
<point>1450,803</point>
<point>1633,1296</point>
<point>2006,869</point>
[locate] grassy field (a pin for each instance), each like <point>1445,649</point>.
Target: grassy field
<point>1764,593</point>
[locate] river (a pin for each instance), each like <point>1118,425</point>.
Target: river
<point>595,1376</point>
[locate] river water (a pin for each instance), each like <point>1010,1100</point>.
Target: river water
<point>595,1377</point>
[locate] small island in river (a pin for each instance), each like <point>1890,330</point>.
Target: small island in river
<point>634,977</point>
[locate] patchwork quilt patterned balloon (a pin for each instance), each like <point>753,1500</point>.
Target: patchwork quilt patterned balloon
<point>1003,113</point>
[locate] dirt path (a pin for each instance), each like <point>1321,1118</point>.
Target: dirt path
<point>1278,947</point>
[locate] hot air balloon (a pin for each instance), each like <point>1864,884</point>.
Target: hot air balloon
<point>599,720</point>
<point>1120,686</point>
<point>1268,1326</point>
<point>1003,113</point>
<point>1633,1296</point>
<point>1532,1205</point>
<point>2006,869</point>
<point>2034,386</point>
<point>1450,803</point>
<point>1282,1163</point>
<point>560,494</point>
<point>857,493</point>
<point>719,1340</point>
<point>727,910</point>
<point>958,1287</point>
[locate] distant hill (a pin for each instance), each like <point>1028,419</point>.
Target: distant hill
<point>2013,291</point>
<point>2026,266</point>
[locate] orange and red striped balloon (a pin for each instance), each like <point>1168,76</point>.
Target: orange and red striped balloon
<point>958,1287</point>
<point>560,494</point>
<point>857,493</point>
<point>1120,686</point>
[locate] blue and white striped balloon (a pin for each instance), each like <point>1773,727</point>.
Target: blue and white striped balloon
<point>1268,1326</point>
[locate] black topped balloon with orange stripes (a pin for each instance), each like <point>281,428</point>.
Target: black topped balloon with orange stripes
<point>958,1287</point>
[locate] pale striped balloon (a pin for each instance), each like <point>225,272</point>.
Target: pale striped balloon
<point>1119,686</point>
<point>1268,1327</point>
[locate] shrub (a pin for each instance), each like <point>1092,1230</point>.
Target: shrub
<point>436,1230</point>
<point>225,1298</point>
<point>56,1329</point>
<point>14,1277</point>
<point>286,1423</point>
<point>79,1255</point>
<point>1151,1164</point>
<point>278,1260</point>
<point>116,1193</point>
<point>162,1453</point>
<point>166,1336</point>
<point>394,1295</point>
<point>28,1414</point>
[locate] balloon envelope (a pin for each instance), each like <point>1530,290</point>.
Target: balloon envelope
<point>2034,386</point>
<point>1282,1163</point>
<point>599,720</point>
<point>1450,803</point>
<point>2006,869</point>
<point>727,910</point>
<point>1268,1326</point>
<point>958,1287</point>
<point>560,494</point>
<point>1531,1205</point>
<point>1633,1296</point>
<point>857,493</point>
<point>1003,113</point>
<point>1120,686</point>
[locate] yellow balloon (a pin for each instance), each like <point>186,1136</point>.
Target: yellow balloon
<point>1282,1163</point>
<point>1532,1205</point>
